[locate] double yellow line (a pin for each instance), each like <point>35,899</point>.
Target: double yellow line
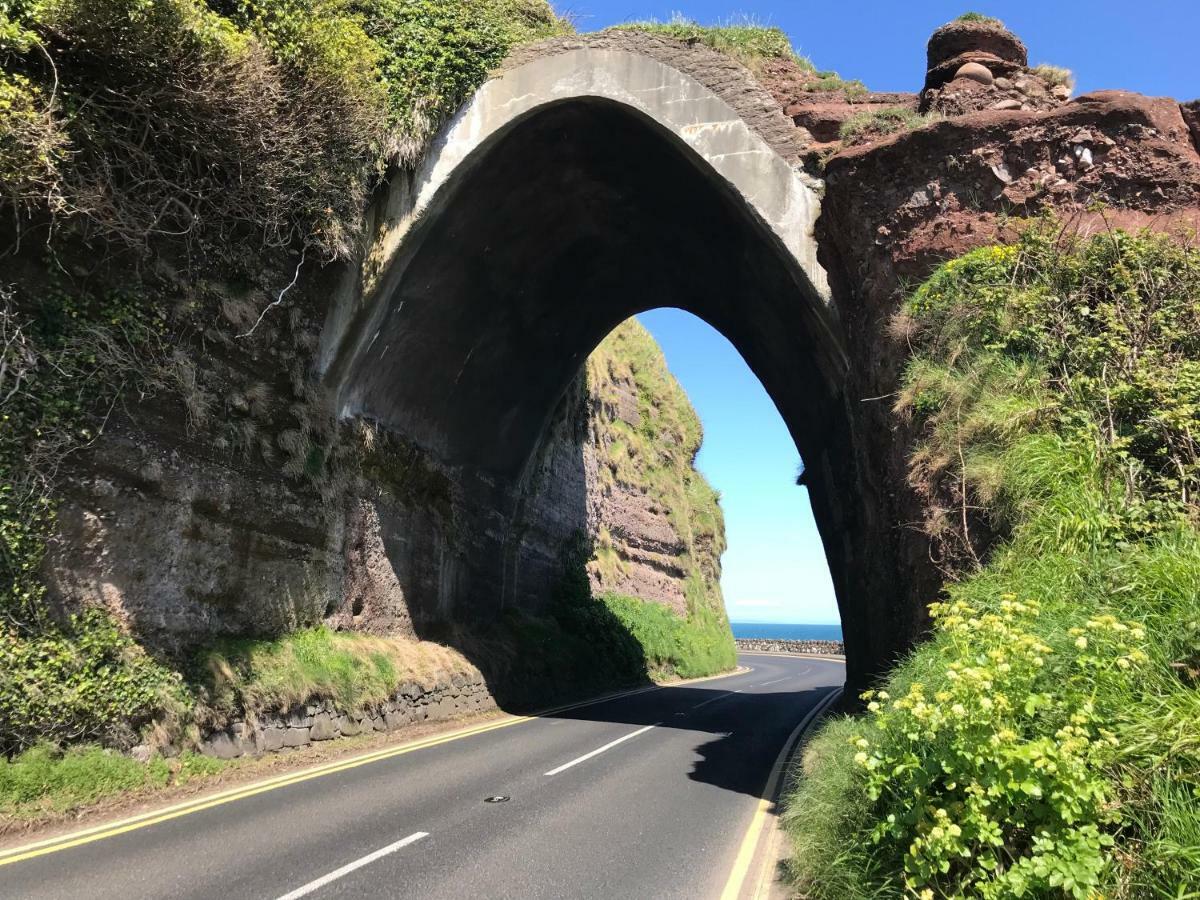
<point>112,829</point>
<point>144,820</point>
<point>735,885</point>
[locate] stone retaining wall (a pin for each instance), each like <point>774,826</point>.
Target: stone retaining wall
<point>760,645</point>
<point>449,697</point>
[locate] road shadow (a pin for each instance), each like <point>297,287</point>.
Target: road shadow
<point>739,736</point>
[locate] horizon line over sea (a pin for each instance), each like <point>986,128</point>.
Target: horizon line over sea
<point>787,631</point>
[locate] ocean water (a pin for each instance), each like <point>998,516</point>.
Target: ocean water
<point>784,632</point>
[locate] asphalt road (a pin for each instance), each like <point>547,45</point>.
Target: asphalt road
<point>647,795</point>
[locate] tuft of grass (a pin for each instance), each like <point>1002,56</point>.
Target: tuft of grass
<point>979,19</point>
<point>869,125</point>
<point>826,812</point>
<point>1055,76</point>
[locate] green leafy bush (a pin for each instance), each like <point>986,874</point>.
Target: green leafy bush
<point>266,120</point>
<point>1043,742</point>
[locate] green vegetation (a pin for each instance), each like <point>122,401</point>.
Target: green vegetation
<point>198,134</point>
<point>252,676</point>
<point>45,780</point>
<point>83,678</point>
<point>689,648</point>
<point>267,119</point>
<point>753,45</point>
<point>658,452</point>
<point>174,143</point>
<point>873,124</point>
<point>1044,742</point>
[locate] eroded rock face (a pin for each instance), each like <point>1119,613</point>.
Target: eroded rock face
<point>975,65</point>
<point>895,209</point>
<point>986,44</point>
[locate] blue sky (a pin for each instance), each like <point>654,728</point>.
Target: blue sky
<point>774,570</point>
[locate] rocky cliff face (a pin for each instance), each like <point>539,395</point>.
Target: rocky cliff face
<point>615,474</point>
<point>1003,147</point>
<point>185,541</point>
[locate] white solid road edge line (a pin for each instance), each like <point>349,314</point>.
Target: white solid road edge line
<point>600,750</point>
<point>350,867</point>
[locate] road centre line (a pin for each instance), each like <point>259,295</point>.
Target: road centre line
<point>724,696</point>
<point>105,830</point>
<point>776,681</point>
<point>600,750</point>
<point>350,867</point>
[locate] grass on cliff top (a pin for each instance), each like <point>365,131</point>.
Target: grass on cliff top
<point>750,43</point>
<point>1046,740</point>
<point>979,19</point>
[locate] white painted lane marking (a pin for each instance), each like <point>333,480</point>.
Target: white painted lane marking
<point>600,750</point>
<point>776,681</point>
<point>350,867</point>
<point>724,696</point>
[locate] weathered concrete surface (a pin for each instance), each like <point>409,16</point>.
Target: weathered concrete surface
<point>698,97</point>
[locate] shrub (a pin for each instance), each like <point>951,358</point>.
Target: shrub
<point>87,680</point>
<point>266,120</point>
<point>1055,76</point>
<point>1043,742</point>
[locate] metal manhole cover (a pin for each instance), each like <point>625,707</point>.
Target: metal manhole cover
<point>495,799</point>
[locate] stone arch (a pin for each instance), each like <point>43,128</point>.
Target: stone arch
<point>588,181</point>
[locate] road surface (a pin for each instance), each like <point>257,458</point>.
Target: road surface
<point>644,795</point>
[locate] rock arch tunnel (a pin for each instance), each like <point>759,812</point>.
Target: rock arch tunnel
<point>586,183</point>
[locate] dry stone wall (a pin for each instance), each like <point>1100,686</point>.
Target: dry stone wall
<point>449,696</point>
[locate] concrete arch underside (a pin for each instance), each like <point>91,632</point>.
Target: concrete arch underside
<point>582,185</point>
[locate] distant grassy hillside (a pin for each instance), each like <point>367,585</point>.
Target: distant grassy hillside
<point>1046,741</point>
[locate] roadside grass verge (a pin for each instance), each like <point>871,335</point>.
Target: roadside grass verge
<point>671,645</point>
<point>1045,741</point>
<point>45,780</point>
